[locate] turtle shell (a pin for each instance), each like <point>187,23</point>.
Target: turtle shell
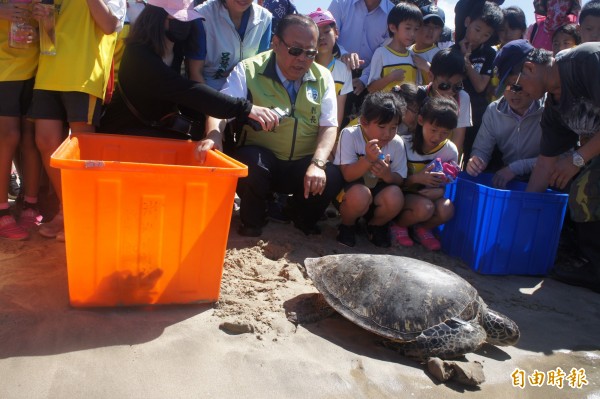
<point>393,296</point>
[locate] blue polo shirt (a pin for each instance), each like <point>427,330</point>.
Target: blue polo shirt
<point>361,31</point>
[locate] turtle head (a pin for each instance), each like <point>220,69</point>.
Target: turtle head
<point>500,330</point>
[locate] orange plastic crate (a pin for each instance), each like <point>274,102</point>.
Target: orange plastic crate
<point>145,223</point>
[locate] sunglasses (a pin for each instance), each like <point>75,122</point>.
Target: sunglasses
<point>447,86</point>
<point>297,51</point>
<point>516,87</point>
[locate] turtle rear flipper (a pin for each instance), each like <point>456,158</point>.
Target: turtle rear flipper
<point>500,330</point>
<point>451,339</point>
<point>307,308</point>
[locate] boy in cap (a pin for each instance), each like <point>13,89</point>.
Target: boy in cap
<point>425,46</point>
<point>571,115</point>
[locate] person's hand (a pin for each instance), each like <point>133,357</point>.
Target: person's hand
<point>397,75</point>
<point>430,179</point>
<point>564,170</point>
<point>372,150</point>
<point>358,85</point>
<point>352,60</point>
<point>206,145</point>
<point>267,118</point>
<point>381,169</point>
<point>420,62</point>
<point>15,12</point>
<point>40,11</point>
<point>502,177</point>
<point>314,181</point>
<point>476,166</point>
<point>465,48</point>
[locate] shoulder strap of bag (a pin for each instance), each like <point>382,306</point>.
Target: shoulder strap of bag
<point>133,110</point>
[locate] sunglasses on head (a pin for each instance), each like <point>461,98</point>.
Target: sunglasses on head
<point>297,51</point>
<point>516,87</point>
<point>447,86</point>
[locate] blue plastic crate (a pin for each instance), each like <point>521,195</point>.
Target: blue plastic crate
<point>503,231</point>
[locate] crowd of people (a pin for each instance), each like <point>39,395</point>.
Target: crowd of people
<point>370,106</point>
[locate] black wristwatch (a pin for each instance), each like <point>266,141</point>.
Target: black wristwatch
<point>319,163</point>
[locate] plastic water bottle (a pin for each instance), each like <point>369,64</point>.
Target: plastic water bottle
<point>21,34</point>
<point>369,178</point>
<point>47,34</point>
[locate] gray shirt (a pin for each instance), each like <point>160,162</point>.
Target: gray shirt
<point>517,137</point>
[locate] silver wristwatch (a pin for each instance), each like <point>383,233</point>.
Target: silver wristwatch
<point>578,160</point>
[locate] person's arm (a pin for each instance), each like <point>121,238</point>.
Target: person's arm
<point>341,104</point>
<point>564,170</point>
<point>195,51</point>
<point>484,143</point>
<point>106,19</point>
<point>540,177</point>
<point>265,40</point>
<point>315,178</point>
<point>478,80</point>
<point>522,167</point>
<point>213,139</point>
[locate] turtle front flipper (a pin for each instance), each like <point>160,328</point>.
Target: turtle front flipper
<point>447,340</point>
<point>500,330</point>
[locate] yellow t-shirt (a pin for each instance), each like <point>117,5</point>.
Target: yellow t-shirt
<point>15,63</point>
<point>83,53</point>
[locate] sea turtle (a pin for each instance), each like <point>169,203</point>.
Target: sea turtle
<point>426,310</point>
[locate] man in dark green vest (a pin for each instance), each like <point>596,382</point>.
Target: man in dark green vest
<point>289,155</point>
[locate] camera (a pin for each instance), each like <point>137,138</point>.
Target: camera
<point>280,113</point>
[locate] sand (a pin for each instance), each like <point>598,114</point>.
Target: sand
<point>243,345</point>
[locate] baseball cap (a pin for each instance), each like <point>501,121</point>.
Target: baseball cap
<point>322,17</point>
<point>182,10</point>
<point>510,55</point>
<point>432,11</point>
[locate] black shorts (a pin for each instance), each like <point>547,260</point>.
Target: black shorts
<point>16,97</point>
<point>374,192</point>
<point>69,106</point>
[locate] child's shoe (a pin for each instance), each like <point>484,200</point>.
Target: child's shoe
<point>346,235</point>
<point>379,235</point>
<point>53,227</point>
<point>30,217</point>
<point>425,238</point>
<point>400,235</point>
<point>10,230</point>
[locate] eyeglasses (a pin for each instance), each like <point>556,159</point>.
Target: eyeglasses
<point>516,87</point>
<point>297,51</point>
<point>447,86</point>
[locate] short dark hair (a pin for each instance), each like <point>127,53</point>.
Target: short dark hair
<point>403,12</point>
<point>381,107</point>
<point>592,8</point>
<point>409,93</point>
<point>490,13</point>
<point>295,19</point>
<point>515,18</point>
<point>439,110</point>
<point>569,29</point>
<point>149,29</point>
<point>448,62</point>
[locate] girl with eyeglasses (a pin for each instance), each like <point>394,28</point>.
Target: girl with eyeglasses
<point>424,204</point>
